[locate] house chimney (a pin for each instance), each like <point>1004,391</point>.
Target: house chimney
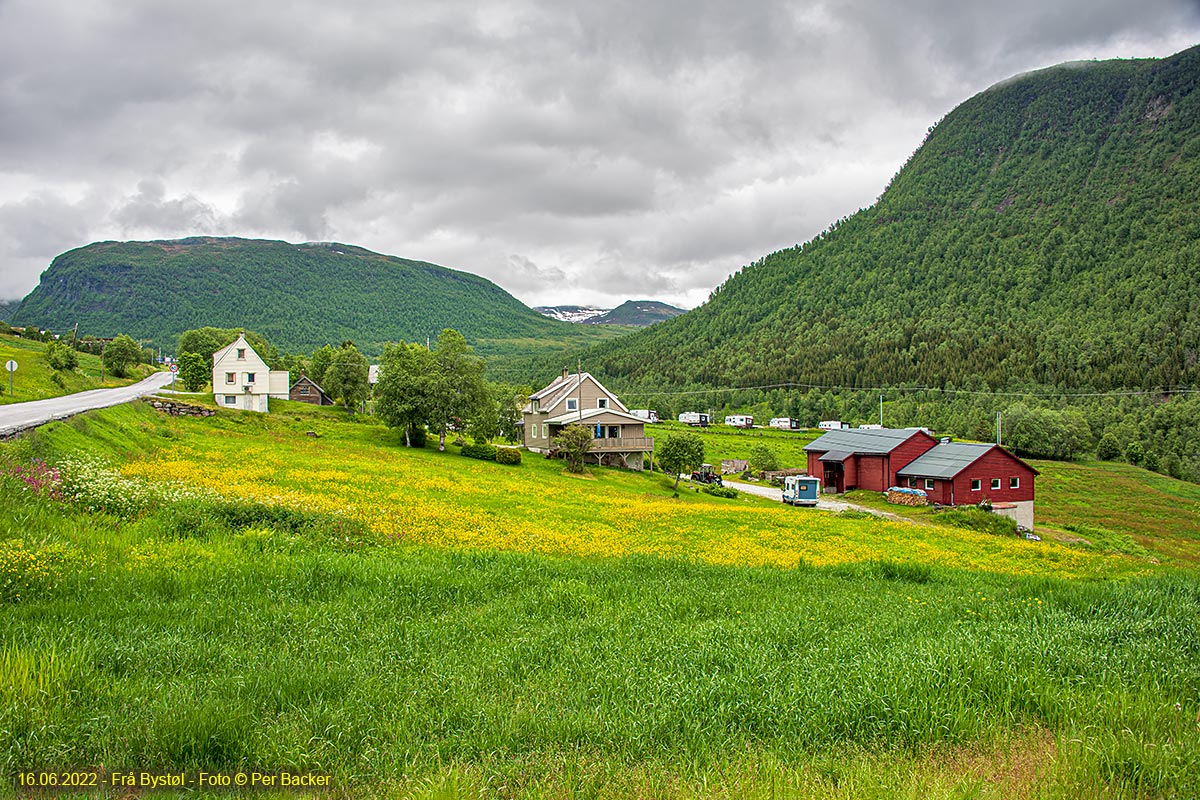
<point>565,372</point>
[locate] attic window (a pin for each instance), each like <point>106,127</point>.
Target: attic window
<point>572,404</point>
<point>241,353</point>
<point>303,390</point>
<point>602,402</point>
<point>535,406</point>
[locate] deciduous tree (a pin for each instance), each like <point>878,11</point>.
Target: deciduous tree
<point>573,443</point>
<point>680,452</point>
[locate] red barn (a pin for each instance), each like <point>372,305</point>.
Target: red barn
<point>950,473</point>
<point>960,473</point>
<point>864,459</point>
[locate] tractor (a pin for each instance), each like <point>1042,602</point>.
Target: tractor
<point>706,474</point>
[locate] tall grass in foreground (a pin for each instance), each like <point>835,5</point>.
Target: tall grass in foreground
<point>242,640</point>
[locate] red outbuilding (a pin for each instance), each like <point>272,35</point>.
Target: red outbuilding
<point>950,473</point>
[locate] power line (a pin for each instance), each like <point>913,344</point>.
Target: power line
<point>1123,392</point>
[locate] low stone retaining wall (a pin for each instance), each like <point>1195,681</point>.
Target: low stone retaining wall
<point>177,409</point>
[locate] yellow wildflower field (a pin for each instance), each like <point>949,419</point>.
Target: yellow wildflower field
<point>447,501</point>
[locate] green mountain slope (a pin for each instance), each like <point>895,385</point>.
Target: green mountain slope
<point>1047,232</point>
<point>7,307</point>
<point>298,296</point>
<point>637,312</point>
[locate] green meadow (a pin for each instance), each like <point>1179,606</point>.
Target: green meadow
<point>233,593</point>
<point>35,379</point>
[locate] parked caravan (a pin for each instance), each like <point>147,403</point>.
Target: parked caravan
<point>785,424</point>
<point>739,421</point>
<point>832,425</point>
<point>801,490</point>
<point>694,418</point>
<point>647,414</point>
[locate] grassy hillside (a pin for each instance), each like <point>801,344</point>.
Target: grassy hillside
<point>35,379</point>
<point>637,312</point>
<point>299,296</point>
<point>1045,233</point>
<point>418,624</point>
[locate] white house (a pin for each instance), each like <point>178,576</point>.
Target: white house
<point>241,379</point>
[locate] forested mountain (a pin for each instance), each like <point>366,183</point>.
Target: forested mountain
<point>299,296</point>
<point>1047,232</point>
<point>641,313</point>
<point>7,307</point>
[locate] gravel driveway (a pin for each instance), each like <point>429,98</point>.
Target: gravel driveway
<point>824,502</point>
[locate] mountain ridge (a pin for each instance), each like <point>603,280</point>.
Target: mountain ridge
<point>299,296</point>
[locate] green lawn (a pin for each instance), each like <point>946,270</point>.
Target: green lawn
<point>628,651</point>
<point>722,442</point>
<point>35,379</point>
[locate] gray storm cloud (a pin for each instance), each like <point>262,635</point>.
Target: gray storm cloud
<point>570,151</point>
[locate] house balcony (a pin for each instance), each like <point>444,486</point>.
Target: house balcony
<point>636,444</point>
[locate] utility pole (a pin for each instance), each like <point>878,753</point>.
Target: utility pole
<point>579,388</point>
<point>999,428</point>
<point>881,411</point>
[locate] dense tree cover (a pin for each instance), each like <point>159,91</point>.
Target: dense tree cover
<point>298,296</point>
<point>346,377</point>
<point>121,355</point>
<point>1045,237</point>
<point>208,340</point>
<point>194,372</point>
<point>7,307</point>
<point>61,356</point>
<point>438,389</point>
<point>1047,232</point>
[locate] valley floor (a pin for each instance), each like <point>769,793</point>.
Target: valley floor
<point>234,594</point>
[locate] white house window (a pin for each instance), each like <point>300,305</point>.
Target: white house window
<point>1014,483</point>
<point>976,485</point>
<point>912,483</point>
<point>249,377</point>
<point>572,404</point>
<point>928,484</point>
<point>602,402</point>
<point>230,399</point>
<point>995,483</point>
<point>614,431</point>
<point>241,354</point>
<point>231,377</point>
<point>535,406</point>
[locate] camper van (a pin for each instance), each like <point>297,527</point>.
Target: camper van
<point>694,418</point>
<point>801,490</point>
<point>739,421</point>
<point>647,414</point>
<point>785,424</point>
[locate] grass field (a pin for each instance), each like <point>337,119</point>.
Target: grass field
<point>420,624</point>
<point>722,442</point>
<point>35,379</point>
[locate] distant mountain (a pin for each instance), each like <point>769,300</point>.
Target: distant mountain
<point>1046,233</point>
<point>571,313</point>
<point>7,307</point>
<point>299,296</point>
<point>636,313</point>
<point>641,313</point>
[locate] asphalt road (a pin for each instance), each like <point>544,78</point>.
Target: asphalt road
<point>18,417</point>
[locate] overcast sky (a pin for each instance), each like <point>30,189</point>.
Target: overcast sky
<point>573,151</point>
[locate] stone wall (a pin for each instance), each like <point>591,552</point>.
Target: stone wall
<point>178,409</point>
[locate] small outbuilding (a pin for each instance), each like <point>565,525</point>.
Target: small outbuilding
<point>965,473</point>
<point>306,390</point>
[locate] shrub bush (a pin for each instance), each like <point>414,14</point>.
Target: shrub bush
<point>61,356</point>
<point>416,436</point>
<point>508,455</point>
<point>484,452</point>
<point>721,491</point>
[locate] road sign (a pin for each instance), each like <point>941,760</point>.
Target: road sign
<point>11,366</point>
<point>174,368</point>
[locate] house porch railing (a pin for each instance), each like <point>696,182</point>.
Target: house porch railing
<point>627,445</point>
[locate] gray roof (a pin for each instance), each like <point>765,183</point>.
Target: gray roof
<point>865,442</point>
<point>836,455</point>
<point>945,460</point>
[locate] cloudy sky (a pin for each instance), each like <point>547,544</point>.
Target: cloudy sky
<point>573,151</point>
